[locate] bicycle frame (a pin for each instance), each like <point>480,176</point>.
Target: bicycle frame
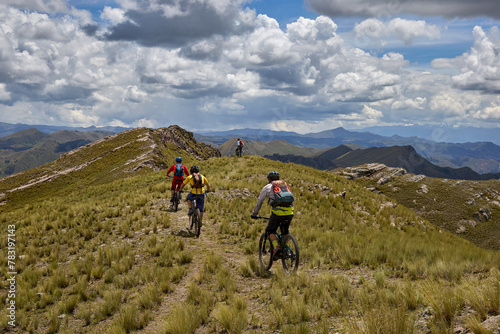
<point>289,257</point>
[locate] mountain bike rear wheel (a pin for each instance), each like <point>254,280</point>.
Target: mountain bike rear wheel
<point>175,204</point>
<point>290,255</point>
<point>196,223</point>
<point>265,252</point>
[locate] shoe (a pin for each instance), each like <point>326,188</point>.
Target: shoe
<point>191,210</point>
<point>277,253</point>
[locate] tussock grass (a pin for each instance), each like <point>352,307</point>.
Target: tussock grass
<point>232,316</point>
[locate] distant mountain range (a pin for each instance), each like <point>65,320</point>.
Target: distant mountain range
<point>30,148</point>
<point>438,134</point>
<point>394,156</point>
<point>443,134</point>
<point>482,157</point>
<point>8,128</point>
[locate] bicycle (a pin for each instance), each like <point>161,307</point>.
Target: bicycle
<point>239,152</point>
<point>195,218</point>
<point>289,254</point>
<point>176,198</point>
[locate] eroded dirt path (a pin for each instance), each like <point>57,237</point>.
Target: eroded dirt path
<point>232,257</point>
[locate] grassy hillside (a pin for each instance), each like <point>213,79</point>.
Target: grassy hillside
<point>30,148</point>
<point>261,148</point>
<point>470,209</point>
<point>97,252</point>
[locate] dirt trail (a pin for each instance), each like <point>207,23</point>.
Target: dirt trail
<point>208,242</point>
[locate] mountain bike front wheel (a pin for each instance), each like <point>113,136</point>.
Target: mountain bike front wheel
<point>265,252</point>
<point>290,255</point>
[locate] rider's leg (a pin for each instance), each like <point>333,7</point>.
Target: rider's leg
<point>172,190</point>
<point>201,205</point>
<point>272,227</point>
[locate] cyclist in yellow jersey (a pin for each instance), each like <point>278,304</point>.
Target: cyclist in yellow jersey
<point>281,216</point>
<point>197,182</point>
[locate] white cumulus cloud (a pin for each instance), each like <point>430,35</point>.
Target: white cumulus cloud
<point>402,29</point>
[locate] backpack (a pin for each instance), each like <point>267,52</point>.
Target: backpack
<point>179,170</point>
<point>282,194</point>
<point>197,181</point>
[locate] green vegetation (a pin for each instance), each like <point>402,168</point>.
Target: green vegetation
<point>96,253</point>
<point>453,205</point>
<point>31,148</point>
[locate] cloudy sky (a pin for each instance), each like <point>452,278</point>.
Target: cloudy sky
<point>293,65</point>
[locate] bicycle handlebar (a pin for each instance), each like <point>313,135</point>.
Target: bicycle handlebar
<point>188,191</point>
<point>260,217</point>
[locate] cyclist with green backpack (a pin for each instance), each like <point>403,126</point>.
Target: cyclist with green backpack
<point>179,170</point>
<point>281,199</point>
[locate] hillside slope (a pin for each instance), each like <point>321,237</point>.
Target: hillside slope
<point>257,147</point>
<point>394,156</point>
<point>30,148</point>
<point>112,157</point>
<point>97,251</point>
<point>470,209</point>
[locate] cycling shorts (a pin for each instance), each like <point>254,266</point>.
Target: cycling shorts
<point>283,222</point>
<point>176,183</point>
<point>200,200</point>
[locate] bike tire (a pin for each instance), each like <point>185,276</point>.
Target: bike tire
<point>196,222</point>
<point>265,252</point>
<point>290,256</point>
<point>176,202</point>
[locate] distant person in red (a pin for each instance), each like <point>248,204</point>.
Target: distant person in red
<point>179,170</point>
<point>239,147</point>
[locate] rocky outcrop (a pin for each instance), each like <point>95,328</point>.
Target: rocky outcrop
<point>483,215</point>
<point>184,140</point>
<point>380,172</point>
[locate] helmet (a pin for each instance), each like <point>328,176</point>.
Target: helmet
<point>273,175</point>
<point>194,169</point>
<point>178,159</point>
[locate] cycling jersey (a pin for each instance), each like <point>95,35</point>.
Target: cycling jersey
<point>196,191</point>
<point>172,169</point>
<point>267,192</point>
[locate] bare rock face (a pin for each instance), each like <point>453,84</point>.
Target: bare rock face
<point>484,214</point>
<point>173,137</point>
<point>380,172</point>
<point>184,140</point>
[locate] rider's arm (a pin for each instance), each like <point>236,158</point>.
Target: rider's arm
<point>205,181</point>
<point>263,195</point>
<point>186,180</point>
<point>171,169</point>
<point>185,170</point>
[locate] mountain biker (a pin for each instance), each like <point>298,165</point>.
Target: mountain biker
<point>281,216</point>
<point>179,170</point>
<point>197,182</point>
<point>239,147</point>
